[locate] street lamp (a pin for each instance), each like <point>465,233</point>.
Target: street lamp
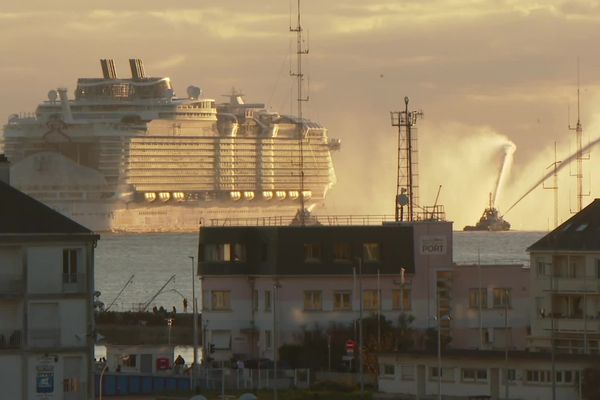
<point>439,318</point>
<point>195,324</point>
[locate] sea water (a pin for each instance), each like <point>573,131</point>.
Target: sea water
<point>154,258</point>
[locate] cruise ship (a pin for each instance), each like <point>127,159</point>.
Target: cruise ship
<point>127,154</point>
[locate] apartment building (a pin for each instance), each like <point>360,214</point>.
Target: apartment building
<point>46,310</point>
<point>258,280</point>
<point>565,285</point>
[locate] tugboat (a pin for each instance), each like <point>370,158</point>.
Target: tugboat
<point>489,221</point>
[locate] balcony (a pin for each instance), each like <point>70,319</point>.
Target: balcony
<point>44,338</point>
<point>74,283</point>
<point>574,325</point>
<point>11,339</point>
<point>11,284</point>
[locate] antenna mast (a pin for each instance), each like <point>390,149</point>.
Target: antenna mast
<point>554,186</point>
<point>407,187</point>
<point>299,79</point>
<point>579,155</point>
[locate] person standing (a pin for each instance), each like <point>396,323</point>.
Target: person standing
<point>185,303</point>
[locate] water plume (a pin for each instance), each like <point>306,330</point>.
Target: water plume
<point>563,164</point>
<point>509,150</point>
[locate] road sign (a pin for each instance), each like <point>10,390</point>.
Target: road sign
<point>350,345</point>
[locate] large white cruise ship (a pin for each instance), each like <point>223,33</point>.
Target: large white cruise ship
<point>128,155</point>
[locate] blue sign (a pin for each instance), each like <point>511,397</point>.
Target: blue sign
<point>44,380</point>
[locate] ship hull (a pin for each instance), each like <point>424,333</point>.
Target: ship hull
<point>135,218</point>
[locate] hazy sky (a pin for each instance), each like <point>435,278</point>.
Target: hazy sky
<point>483,72</point>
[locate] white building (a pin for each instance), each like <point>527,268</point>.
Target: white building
<point>565,286</point>
<point>46,296</point>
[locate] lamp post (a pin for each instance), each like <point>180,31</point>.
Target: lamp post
<point>360,330</point>
<point>195,325</point>
<point>101,379</point>
<point>439,318</point>
<point>506,297</point>
<point>276,287</point>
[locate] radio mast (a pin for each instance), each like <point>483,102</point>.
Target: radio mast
<point>407,186</point>
<point>579,155</point>
<point>300,51</point>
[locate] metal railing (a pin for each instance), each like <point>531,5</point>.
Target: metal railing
<point>11,339</point>
<point>250,379</point>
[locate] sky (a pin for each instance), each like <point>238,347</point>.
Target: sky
<point>486,74</point>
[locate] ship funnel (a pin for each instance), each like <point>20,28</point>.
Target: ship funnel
<point>108,68</point>
<point>4,169</point>
<point>137,68</point>
<point>66,107</point>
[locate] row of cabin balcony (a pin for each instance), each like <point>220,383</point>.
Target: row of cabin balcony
<point>235,195</point>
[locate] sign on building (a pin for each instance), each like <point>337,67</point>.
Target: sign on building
<point>433,245</point>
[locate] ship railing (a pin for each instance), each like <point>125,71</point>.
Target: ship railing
<point>327,220</point>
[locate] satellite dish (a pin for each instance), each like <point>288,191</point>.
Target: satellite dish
<point>402,199</point>
<point>194,92</point>
<point>52,95</point>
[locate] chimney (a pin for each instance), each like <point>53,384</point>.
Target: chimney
<point>4,169</point>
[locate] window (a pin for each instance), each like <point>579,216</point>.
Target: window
<point>268,339</point>
<point>70,265</point>
<point>221,300</point>
<point>388,370</point>
<point>370,300</point>
<point>342,300</point>
<point>342,251</point>
<point>223,252</point>
<point>477,295</point>
<point>474,375</point>
<point>371,252</point>
<point>407,372</point>
<point>255,300</point>
<point>71,385</point>
<point>130,360</point>
<point>312,300</point>
<point>401,299</point>
<point>312,252</point>
<point>512,375</point>
<point>447,373</point>
<point>538,376</point>
<point>502,297</point>
<point>267,300</point>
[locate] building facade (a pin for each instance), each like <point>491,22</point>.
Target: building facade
<point>565,286</point>
<point>46,301</point>
<point>260,280</point>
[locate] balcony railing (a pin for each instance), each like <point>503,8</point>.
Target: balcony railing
<point>11,284</point>
<point>11,339</point>
<point>74,283</point>
<point>44,337</point>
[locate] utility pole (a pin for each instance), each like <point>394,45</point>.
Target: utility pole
<point>195,323</point>
<point>506,297</point>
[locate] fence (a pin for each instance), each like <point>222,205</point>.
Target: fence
<point>213,379</point>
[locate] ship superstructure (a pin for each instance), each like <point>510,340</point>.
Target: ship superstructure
<point>128,155</point>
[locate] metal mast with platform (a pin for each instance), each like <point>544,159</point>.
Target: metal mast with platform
<point>407,186</point>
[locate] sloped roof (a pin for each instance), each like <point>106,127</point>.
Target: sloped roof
<point>581,232</point>
<point>21,214</point>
